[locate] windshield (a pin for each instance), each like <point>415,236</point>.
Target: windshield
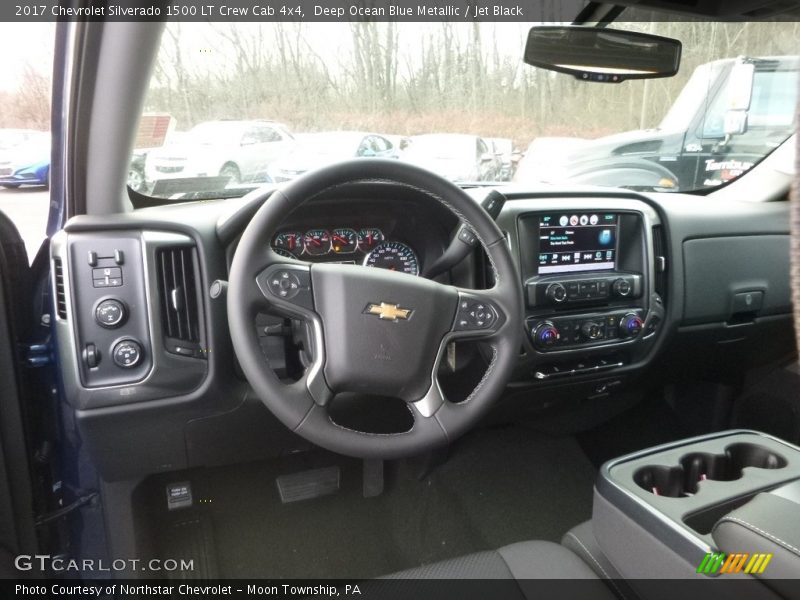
<point>437,94</point>
<point>441,146</point>
<point>328,144</point>
<point>208,134</point>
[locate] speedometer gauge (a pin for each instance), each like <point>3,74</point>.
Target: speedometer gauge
<point>393,256</point>
<point>317,242</point>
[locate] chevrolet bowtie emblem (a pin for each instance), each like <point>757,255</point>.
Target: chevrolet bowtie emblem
<point>388,312</point>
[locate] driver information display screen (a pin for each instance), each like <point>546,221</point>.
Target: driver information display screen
<point>571,242</point>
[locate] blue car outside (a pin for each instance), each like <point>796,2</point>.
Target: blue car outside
<point>26,164</point>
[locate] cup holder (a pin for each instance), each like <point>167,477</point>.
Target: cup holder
<point>751,455</point>
<point>682,480</point>
<point>661,481</point>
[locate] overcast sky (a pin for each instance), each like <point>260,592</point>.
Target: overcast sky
<point>25,43</point>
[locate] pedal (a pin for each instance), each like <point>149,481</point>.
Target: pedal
<point>373,477</point>
<point>179,495</point>
<point>308,484</point>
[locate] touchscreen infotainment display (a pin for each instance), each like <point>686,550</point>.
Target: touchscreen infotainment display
<point>577,241</point>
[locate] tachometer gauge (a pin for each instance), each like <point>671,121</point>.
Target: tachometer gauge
<point>344,241</point>
<point>289,241</point>
<point>393,256</point>
<point>369,237</point>
<point>317,242</point>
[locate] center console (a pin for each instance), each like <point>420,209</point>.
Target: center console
<point>588,281</point>
<point>722,504</point>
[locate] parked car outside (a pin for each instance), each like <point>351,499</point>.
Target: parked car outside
<point>318,149</point>
<point>239,150</point>
<point>455,156</point>
<point>154,130</point>
<point>27,163</point>
<point>504,151</point>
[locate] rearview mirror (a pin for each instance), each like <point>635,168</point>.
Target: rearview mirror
<point>602,55</point>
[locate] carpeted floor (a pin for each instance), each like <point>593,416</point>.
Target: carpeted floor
<point>498,486</point>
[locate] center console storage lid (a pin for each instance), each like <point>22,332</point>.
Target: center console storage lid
<point>769,524</point>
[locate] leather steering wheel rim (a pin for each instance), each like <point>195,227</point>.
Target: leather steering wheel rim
<point>423,317</point>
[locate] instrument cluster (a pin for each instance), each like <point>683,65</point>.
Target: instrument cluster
<point>367,246</point>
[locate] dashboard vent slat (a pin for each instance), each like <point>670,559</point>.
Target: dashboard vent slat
<point>178,277</point>
<point>61,295</point>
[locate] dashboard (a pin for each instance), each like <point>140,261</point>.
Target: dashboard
<point>618,287</point>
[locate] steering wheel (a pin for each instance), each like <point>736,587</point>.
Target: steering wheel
<point>371,330</point>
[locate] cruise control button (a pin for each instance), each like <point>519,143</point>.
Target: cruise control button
<point>284,282</point>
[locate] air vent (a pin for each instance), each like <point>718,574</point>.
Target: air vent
<point>178,277</point>
<point>660,258</point>
<point>61,295</point>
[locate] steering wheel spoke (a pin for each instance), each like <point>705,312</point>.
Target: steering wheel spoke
<point>288,292</point>
<point>431,402</point>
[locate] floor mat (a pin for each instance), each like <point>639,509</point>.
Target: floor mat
<point>649,423</point>
<point>499,486</point>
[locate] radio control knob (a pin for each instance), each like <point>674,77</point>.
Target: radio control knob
<point>545,335</point>
<point>592,330</point>
<point>622,287</point>
<point>630,325</point>
<point>556,293</point>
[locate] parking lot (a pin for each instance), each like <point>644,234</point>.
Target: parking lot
<point>27,207</point>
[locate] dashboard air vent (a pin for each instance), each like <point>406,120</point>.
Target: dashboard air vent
<point>178,276</point>
<point>660,258</point>
<point>61,295</point>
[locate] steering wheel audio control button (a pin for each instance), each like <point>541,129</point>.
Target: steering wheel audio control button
<point>474,315</point>
<point>284,284</point>
<point>127,354</point>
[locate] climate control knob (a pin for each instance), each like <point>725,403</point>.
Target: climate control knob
<point>622,287</point>
<point>592,330</point>
<point>556,292</point>
<point>630,325</point>
<point>545,335</point>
